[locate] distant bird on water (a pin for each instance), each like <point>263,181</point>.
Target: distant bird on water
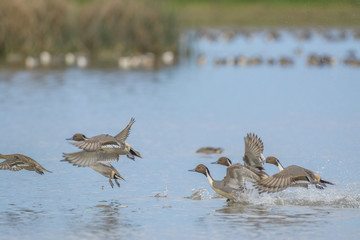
<point>210,150</point>
<point>17,162</point>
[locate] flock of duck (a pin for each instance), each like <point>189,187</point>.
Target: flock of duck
<point>233,186</point>
<point>99,151</point>
<point>312,59</point>
<point>83,60</point>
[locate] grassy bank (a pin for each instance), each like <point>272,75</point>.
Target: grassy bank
<point>331,13</point>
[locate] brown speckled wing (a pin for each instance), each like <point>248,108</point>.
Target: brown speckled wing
<point>254,149</point>
<point>12,164</point>
<point>275,183</point>
<point>124,134</point>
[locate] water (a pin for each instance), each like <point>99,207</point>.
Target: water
<point>305,115</point>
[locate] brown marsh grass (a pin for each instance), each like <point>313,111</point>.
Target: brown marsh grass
<point>116,27</point>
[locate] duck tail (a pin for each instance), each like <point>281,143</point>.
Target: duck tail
<point>326,182</point>
<point>118,176</point>
<point>47,170</point>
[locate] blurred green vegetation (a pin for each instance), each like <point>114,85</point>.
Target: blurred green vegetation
<point>264,13</point>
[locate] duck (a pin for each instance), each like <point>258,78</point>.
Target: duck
<point>289,176</point>
<point>228,187</point>
<point>108,171</point>
<point>239,174</point>
<point>98,160</point>
<point>280,167</point>
<point>249,173</point>
<point>107,143</point>
<point>253,158</point>
<point>17,162</point>
<point>210,150</point>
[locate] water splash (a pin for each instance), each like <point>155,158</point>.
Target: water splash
<point>333,198</point>
<point>164,194</point>
<point>200,194</point>
<point>305,197</point>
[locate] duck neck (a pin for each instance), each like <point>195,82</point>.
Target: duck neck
<point>209,178</point>
<point>229,162</point>
<point>280,167</point>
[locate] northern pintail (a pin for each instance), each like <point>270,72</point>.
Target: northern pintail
<point>239,174</point>
<point>210,150</point>
<point>226,187</point>
<point>107,143</point>
<point>17,162</point>
<point>289,176</point>
<point>108,171</point>
<point>98,160</point>
<point>253,156</point>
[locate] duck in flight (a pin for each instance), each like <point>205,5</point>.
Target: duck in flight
<point>289,176</point>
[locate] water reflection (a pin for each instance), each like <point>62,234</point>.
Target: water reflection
<point>13,215</point>
<point>256,215</point>
<point>107,220</point>
<point>259,221</point>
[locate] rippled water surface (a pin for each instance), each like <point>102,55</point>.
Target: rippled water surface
<point>309,116</point>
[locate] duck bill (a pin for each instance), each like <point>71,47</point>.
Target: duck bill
<point>192,170</point>
<point>214,163</point>
<point>68,138</point>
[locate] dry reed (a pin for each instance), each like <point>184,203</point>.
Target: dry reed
<point>115,26</point>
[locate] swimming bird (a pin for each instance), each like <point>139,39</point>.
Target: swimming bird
<point>210,150</point>
<point>289,176</point>
<point>228,187</point>
<point>17,162</point>
<point>107,143</point>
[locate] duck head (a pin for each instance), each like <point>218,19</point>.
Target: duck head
<point>77,137</point>
<point>201,168</point>
<point>223,161</point>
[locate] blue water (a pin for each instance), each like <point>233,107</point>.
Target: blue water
<point>309,116</point>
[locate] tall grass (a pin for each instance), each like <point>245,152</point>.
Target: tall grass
<point>32,26</point>
<point>58,26</point>
<point>127,26</point>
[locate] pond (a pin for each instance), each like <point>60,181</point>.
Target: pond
<point>307,115</point>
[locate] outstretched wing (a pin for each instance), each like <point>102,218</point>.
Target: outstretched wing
<point>96,143</point>
<point>254,149</point>
<point>86,159</point>
<point>124,134</point>
<point>12,164</point>
<point>237,175</point>
<point>273,184</point>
